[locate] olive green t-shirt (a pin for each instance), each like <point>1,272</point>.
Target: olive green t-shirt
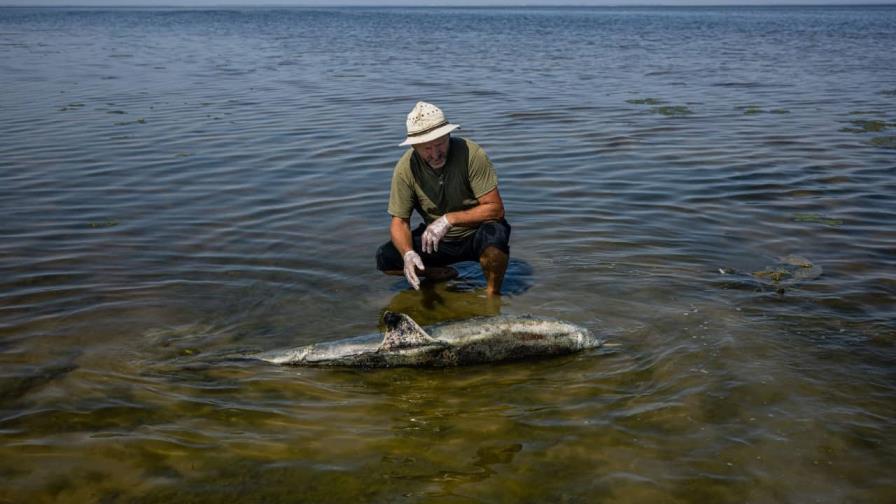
<point>467,175</point>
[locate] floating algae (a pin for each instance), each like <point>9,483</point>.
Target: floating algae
<point>104,224</point>
<point>672,111</point>
<point>790,268</point>
<point>787,271</point>
<point>817,219</point>
<point>866,126</point>
<point>125,123</point>
<point>884,142</point>
<point>774,275</point>
<point>644,101</point>
<point>756,109</point>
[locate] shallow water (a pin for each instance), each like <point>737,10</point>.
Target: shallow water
<point>183,186</point>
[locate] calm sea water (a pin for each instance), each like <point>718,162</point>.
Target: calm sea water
<point>711,190</point>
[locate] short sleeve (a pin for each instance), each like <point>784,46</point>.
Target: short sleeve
<point>483,178</point>
<point>401,194</point>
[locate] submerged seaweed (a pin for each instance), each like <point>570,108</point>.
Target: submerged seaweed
<point>644,101</point>
<point>104,224</point>
<point>816,219</point>
<point>756,109</point>
<point>672,110</point>
<point>885,142</point>
<point>866,126</point>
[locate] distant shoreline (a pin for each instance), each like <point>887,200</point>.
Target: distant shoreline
<point>454,5</point>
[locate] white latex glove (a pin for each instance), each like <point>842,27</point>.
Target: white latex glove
<point>412,259</point>
<point>434,234</point>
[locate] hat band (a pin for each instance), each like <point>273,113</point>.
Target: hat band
<point>427,130</point>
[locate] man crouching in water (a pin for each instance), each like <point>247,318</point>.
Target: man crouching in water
<point>452,184</point>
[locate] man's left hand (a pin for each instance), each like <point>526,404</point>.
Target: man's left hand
<point>434,234</point>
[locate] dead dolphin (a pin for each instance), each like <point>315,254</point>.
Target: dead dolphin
<point>487,339</point>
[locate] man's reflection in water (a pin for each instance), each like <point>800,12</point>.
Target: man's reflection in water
<point>461,298</point>
<point>439,302</point>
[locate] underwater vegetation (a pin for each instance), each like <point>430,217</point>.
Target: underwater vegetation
<point>125,123</point>
<point>666,110</point>
<point>104,224</point>
<point>817,219</point>
<point>756,109</point>
<point>789,268</point>
<point>885,142</point>
<point>873,126</point>
<point>672,110</point>
<point>867,126</point>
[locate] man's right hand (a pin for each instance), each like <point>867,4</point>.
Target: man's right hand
<point>411,260</point>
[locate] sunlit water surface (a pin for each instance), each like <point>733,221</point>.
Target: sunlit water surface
<point>180,187</point>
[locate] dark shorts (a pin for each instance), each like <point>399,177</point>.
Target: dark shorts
<point>489,234</point>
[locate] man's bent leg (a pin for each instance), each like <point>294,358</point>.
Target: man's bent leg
<point>492,241</point>
<point>390,262</point>
<point>494,264</point>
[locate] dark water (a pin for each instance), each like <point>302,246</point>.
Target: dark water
<point>181,186</point>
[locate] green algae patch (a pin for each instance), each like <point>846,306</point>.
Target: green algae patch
<point>644,101</point>
<point>72,106</point>
<point>125,123</point>
<point>884,142</point>
<point>867,126</point>
<point>672,111</point>
<point>790,269</point>
<point>786,272</point>
<point>104,224</point>
<point>813,218</point>
<point>773,275</point>
<point>756,109</point>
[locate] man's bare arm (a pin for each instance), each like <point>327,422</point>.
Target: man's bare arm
<point>491,207</point>
<point>400,232</point>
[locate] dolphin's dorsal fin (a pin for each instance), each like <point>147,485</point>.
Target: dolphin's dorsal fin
<point>403,332</point>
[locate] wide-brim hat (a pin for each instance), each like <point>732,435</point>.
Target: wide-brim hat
<point>425,123</point>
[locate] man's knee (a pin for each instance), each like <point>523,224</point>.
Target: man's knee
<point>494,234</point>
<point>388,259</point>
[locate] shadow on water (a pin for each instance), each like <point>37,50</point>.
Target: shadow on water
<point>461,298</point>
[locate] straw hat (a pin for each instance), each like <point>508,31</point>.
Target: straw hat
<point>426,122</point>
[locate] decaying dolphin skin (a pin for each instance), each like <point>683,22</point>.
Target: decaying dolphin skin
<point>473,341</point>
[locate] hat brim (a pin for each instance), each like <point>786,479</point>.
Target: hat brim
<point>430,135</point>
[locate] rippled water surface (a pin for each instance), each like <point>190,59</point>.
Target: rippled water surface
<point>711,190</point>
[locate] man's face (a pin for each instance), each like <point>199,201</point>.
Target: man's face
<point>434,152</point>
